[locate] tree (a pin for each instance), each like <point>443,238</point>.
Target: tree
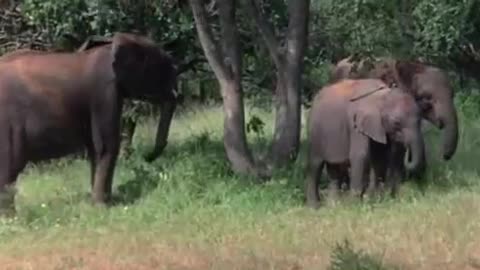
<point>289,65</point>
<point>448,34</point>
<point>225,60</point>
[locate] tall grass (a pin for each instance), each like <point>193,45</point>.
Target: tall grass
<point>187,210</point>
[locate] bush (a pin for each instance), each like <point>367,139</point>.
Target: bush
<point>344,257</point>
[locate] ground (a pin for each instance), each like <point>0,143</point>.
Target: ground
<point>188,211</point>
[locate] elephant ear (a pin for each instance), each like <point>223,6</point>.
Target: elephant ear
<point>137,61</point>
<point>367,120</point>
<point>130,58</point>
<point>126,51</point>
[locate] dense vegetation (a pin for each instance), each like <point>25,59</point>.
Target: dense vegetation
<point>189,209</point>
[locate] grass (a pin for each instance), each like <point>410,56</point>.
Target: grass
<point>188,211</point>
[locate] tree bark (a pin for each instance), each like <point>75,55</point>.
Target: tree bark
<point>289,65</point>
<point>226,64</point>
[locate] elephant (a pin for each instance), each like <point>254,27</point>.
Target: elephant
<point>58,103</point>
<point>429,85</point>
<point>358,125</point>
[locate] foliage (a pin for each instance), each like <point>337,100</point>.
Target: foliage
<point>440,31</point>
<point>66,24</point>
<point>441,28</point>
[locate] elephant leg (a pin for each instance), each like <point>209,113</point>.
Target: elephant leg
<point>396,162</point>
<point>396,168</point>
<point>314,171</point>
<point>106,143</point>
<point>338,176</point>
<point>359,164</point>
<point>129,126</point>
<point>372,185</point>
<point>93,164</point>
<point>12,163</point>
<point>378,171</point>
<point>418,174</point>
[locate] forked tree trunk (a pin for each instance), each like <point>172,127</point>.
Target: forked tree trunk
<point>289,65</point>
<point>286,136</point>
<point>225,61</point>
<point>234,140</point>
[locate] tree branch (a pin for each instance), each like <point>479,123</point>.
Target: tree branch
<point>205,36</point>
<point>94,41</point>
<point>266,30</point>
<point>467,61</point>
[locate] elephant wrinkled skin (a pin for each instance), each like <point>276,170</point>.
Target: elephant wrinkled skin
<point>54,104</point>
<point>429,86</point>
<point>360,125</point>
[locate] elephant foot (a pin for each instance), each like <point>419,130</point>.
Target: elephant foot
<point>333,194</point>
<point>7,204</point>
<point>8,212</point>
<point>101,201</point>
<point>353,196</point>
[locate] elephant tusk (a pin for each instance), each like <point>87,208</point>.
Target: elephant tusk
<point>408,156</point>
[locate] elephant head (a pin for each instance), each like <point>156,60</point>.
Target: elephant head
<point>142,71</point>
<point>431,88</point>
<point>391,115</point>
<point>139,63</point>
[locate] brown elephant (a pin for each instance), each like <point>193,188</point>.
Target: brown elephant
<point>429,86</point>
<point>359,125</point>
<point>54,104</point>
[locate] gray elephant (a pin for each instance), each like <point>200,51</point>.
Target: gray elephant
<point>54,104</point>
<point>429,86</point>
<point>360,125</point>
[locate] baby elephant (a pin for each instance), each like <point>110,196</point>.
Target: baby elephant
<point>359,125</point>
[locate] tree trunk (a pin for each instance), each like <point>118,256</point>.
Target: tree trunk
<point>286,136</point>
<point>289,65</point>
<point>225,60</point>
<point>286,141</point>
<point>234,140</point>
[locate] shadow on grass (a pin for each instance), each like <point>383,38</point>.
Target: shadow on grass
<point>205,155</point>
<point>140,185</point>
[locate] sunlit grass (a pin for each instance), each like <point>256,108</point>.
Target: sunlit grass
<point>187,210</point>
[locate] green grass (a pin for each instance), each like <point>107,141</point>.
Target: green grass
<point>187,210</point>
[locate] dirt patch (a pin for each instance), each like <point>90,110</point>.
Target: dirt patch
<point>151,257</point>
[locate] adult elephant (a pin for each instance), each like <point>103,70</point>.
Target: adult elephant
<point>54,104</point>
<point>429,86</point>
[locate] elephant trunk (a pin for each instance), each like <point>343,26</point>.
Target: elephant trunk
<point>416,154</point>
<point>163,128</point>
<point>450,134</point>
